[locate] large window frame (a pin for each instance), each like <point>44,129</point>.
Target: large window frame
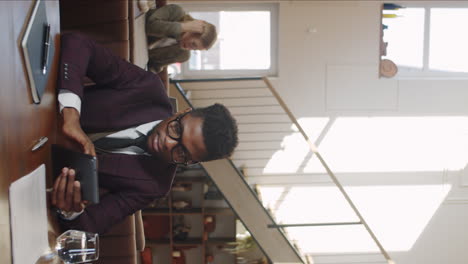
<point>405,72</point>
<point>273,8</point>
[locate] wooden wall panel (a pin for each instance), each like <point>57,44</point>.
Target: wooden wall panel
<point>246,101</point>
<point>230,93</point>
<point>263,124</point>
<point>280,127</point>
<point>242,110</point>
<point>265,118</point>
<point>258,137</point>
<point>223,85</point>
<point>258,145</point>
<point>254,154</point>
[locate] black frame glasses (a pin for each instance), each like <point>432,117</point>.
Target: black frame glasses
<point>175,130</point>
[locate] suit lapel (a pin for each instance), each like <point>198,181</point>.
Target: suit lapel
<point>138,168</point>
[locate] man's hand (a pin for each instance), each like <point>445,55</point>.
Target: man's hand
<point>67,192</point>
<point>72,129</point>
<point>195,26</point>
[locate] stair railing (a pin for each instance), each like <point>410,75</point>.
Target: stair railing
<point>315,151</point>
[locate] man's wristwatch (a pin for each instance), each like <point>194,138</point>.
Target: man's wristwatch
<point>64,214</point>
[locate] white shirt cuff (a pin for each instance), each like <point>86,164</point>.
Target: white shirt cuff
<point>67,98</point>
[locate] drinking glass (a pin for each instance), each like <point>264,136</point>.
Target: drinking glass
<point>75,246</point>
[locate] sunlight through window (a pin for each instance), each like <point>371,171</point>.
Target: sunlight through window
<point>294,148</point>
<point>391,144</point>
<point>405,37</point>
<point>448,49</point>
<point>246,44</point>
<point>271,195</point>
<point>397,214</point>
<point>426,40</point>
<point>290,158</point>
<point>247,32</point>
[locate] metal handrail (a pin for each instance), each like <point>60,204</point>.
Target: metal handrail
<point>314,150</point>
<point>182,93</point>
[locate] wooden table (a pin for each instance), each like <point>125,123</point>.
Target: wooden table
<point>22,122</point>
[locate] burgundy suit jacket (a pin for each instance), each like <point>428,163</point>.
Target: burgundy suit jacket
<point>124,96</point>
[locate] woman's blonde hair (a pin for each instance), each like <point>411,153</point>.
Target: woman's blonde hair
<point>209,35</point>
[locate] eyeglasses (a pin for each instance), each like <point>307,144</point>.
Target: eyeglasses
<point>179,153</point>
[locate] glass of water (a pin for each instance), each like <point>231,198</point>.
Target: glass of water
<point>76,246</point>
<point>73,247</point>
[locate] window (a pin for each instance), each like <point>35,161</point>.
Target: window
<point>246,45</point>
<point>393,218</point>
<point>426,40</point>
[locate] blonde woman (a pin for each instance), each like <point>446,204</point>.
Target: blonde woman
<point>172,34</point>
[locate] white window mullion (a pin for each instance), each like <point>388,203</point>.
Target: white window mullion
<point>427,38</point>
<point>424,40</point>
<point>247,41</point>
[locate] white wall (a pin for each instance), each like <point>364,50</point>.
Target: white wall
<point>316,35</point>
<point>328,67</point>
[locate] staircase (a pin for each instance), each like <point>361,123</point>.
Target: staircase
<point>245,202</point>
<point>264,122</point>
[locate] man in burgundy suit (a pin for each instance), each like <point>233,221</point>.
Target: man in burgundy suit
<point>131,104</point>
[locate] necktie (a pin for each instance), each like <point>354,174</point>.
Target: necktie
<point>108,143</point>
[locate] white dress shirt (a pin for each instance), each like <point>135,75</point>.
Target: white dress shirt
<point>133,133</point>
<point>67,98</point>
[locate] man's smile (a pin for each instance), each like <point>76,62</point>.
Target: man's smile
<point>156,144</point>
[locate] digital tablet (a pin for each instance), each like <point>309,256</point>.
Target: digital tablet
<point>85,167</point>
<point>35,50</point>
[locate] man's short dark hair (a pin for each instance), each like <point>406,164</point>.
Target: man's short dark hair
<point>219,131</point>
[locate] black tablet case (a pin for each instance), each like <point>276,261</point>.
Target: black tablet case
<point>32,45</point>
<point>85,167</point>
